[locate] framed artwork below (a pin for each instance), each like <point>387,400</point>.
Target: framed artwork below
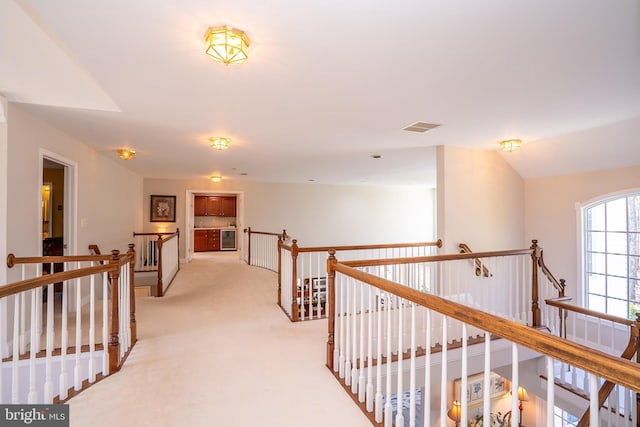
<point>163,208</point>
<point>498,387</point>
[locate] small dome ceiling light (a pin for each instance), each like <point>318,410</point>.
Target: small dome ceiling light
<point>510,144</point>
<point>126,154</point>
<point>216,178</point>
<point>220,143</point>
<point>226,44</point>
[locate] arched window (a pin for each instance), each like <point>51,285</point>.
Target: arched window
<point>612,255</point>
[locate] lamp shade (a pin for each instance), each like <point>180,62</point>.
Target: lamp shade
<point>226,44</point>
<point>522,394</point>
<point>455,411</point>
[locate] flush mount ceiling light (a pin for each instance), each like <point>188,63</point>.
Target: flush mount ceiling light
<point>510,144</point>
<point>216,178</point>
<point>226,44</point>
<point>220,143</point>
<point>126,154</point>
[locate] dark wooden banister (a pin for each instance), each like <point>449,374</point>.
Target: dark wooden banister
<point>632,348</point>
<point>364,247</point>
<point>609,367</point>
<point>480,268</point>
<point>112,267</point>
<point>558,284</point>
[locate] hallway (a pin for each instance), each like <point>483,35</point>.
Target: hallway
<point>218,351</point>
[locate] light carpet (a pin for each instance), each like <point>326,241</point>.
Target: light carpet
<point>218,351</point>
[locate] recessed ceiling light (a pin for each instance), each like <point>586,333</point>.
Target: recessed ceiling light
<point>244,173</point>
<point>420,127</point>
<point>311,180</point>
<point>376,156</point>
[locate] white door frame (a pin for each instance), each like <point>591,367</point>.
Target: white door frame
<point>70,200</point>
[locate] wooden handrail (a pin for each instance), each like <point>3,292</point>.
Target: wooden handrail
<point>609,367</point>
<point>560,303</point>
<point>13,260</point>
<point>163,233</point>
<point>47,279</point>
<point>434,258</point>
<point>437,243</point>
<point>558,284</point>
<point>480,268</point>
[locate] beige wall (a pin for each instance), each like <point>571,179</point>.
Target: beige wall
<point>552,214</point>
<point>109,202</point>
<point>315,214</point>
<point>480,200</point>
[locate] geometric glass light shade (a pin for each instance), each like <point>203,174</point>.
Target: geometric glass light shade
<point>510,144</point>
<point>226,44</point>
<point>126,154</point>
<point>220,143</point>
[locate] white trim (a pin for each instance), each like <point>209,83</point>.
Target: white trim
<point>70,199</point>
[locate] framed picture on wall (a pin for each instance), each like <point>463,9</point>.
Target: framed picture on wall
<point>498,387</point>
<point>163,208</point>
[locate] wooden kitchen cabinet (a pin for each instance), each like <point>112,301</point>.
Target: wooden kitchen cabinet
<point>214,206</point>
<point>200,206</point>
<point>200,240</point>
<point>228,206</point>
<point>206,240</point>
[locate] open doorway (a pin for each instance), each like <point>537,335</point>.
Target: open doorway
<point>57,195</point>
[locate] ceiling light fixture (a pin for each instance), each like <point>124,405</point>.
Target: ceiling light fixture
<point>126,154</point>
<point>216,178</point>
<point>220,143</point>
<point>510,144</point>
<point>226,44</point>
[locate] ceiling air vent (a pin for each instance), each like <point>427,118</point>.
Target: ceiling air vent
<point>420,127</point>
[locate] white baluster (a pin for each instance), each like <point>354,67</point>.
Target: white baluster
<point>378,397</point>
<point>92,329</point>
<point>15,383</point>
<point>33,393</point>
<point>400,376</point>
<point>64,343</point>
<point>412,373</point>
<point>369,390</point>
<point>464,374</point>
<point>551,399</point>
<point>486,408</point>
<point>48,384</point>
<point>105,324</point>
<point>594,407</point>
<point>77,377</point>
<point>515,383</point>
<point>23,322</point>
<point>361,378</point>
<point>426,397</point>
<point>347,364</point>
<point>354,338</point>
<point>443,374</point>
<point>342,360</point>
<point>388,408</point>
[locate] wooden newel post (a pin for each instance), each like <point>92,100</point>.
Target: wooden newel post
<point>159,287</point>
<point>331,302</point>
<point>535,307</point>
<point>295,313</point>
<point>132,294</point>
<point>114,340</point>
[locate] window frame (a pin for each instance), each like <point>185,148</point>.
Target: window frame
<point>583,293</point>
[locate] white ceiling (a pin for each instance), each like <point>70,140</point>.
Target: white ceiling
<point>329,83</point>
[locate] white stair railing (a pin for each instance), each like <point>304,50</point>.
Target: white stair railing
<point>396,318</point>
<point>74,305</point>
